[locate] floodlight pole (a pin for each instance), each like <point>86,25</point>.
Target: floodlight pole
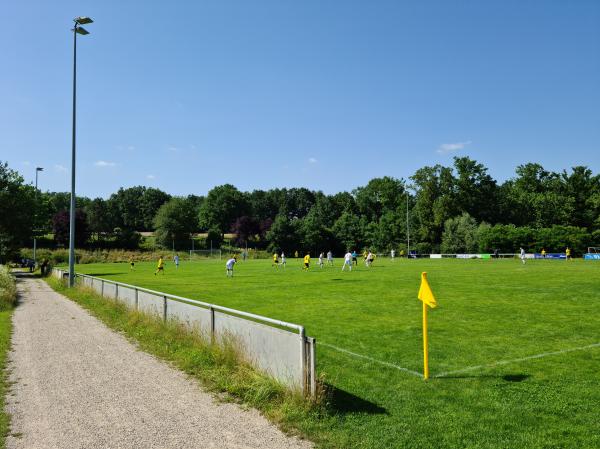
<point>407,229</point>
<point>76,30</point>
<point>72,210</point>
<point>37,170</point>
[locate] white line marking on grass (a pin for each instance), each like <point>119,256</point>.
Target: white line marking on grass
<point>522,359</point>
<point>360,356</point>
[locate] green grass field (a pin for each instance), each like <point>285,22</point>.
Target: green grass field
<point>368,329</point>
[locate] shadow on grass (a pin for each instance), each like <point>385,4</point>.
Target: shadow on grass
<point>515,377</point>
<point>506,377</point>
<point>346,280</point>
<point>341,401</point>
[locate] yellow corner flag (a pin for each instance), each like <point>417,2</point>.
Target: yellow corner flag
<point>426,296</point>
<point>425,293</point>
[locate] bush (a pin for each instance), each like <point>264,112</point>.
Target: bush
<point>509,238</point>
<point>61,256</point>
<point>216,237</point>
<point>8,289</point>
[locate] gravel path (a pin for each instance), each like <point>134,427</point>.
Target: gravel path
<point>81,385</point>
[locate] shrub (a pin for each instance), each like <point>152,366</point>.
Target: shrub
<point>8,289</point>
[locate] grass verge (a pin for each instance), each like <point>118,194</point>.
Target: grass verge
<point>8,299</point>
<point>219,368</point>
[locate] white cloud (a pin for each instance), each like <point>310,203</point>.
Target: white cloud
<point>312,160</point>
<point>446,148</point>
<point>130,147</point>
<point>103,164</point>
<point>60,168</point>
<point>173,149</point>
<point>150,177</point>
<point>26,163</point>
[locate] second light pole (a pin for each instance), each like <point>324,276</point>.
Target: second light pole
<point>37,170</point>
<point>77,29</point>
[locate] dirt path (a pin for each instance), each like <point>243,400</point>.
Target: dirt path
<point>81,385</point>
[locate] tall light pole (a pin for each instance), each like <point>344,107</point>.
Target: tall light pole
<point>77,29</point>
<point>407,229</point>
<point>37,170</point>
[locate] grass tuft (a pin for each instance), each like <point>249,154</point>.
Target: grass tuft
<point>8,300</point>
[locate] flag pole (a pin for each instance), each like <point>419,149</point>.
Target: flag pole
<point>425,349</point>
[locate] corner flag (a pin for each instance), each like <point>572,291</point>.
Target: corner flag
<point>425,293</point>
<point>426,296</point>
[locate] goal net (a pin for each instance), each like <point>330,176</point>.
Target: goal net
<point>201,254</point>
<point>594,250</point>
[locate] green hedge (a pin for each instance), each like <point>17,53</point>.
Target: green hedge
<point>508,238</point>
<point>8,289</point>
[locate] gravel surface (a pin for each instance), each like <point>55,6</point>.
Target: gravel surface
<point>80,385</point>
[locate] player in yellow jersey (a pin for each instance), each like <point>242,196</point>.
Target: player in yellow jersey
<point>568,253</point>
<point>543,253</point>
<point>306,261</point>
<point>131,263</point>
<point>275,260</point>
<point>160,266</point>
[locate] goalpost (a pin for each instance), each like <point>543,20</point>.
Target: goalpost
<point>201,254</point>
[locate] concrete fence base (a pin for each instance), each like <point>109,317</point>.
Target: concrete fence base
<point>276,348</point>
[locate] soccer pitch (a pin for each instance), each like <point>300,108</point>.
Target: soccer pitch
<point>514,349</point>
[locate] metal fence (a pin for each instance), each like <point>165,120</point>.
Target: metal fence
<point>277,348</point>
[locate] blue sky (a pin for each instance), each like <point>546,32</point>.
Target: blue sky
<point>186,95</point>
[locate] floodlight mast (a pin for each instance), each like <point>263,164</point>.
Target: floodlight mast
<point>77,29</point>
<point>37,170</point>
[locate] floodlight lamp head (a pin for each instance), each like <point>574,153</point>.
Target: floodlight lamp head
<point>81,31</point>
<point>83,20</point>
<point>39,168</point>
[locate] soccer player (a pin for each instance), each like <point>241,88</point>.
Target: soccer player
<point>369,259</point>
<point>522,256</point>
<point>347,261</point>
<point>321,259</point>
<point>354,259</point>
<point>176,260</point>
<point>283,259</point>
<point>568,253</point>
<point>131,263</point>
<point>401,253</point>
<point>306,261</point>
<point>329,258</point>
<point>543,253</point>
<point>393,253</point>
<point>160,266</point>
<point>275,260</point>
<point>229,266</point>
<point>296,254</point>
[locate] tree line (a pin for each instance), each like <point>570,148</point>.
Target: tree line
<point>457,208</point>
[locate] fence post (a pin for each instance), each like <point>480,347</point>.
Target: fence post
<point>116,292</point>
<point>102,289</point>
<point>303,369</point>
<point>212,325</point>
<point>164,308</point>
<point>136,299</point>
<point>313,370</point>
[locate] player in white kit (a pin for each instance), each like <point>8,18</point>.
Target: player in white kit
<point>347,261</point>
